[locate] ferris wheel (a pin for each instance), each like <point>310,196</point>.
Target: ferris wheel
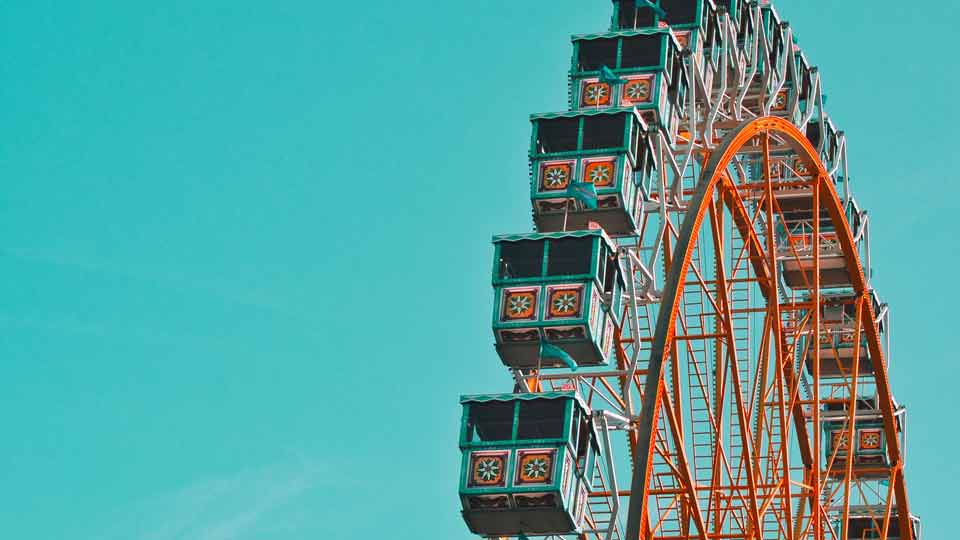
<point>695,347</point>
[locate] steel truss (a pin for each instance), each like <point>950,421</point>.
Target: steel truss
<point>717,392</point>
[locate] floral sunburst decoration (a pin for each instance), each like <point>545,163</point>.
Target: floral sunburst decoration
<point>637,90</point>
<point>535,468</point>
<point>600,175</point>
<point>519,304</point>
<point>555,177</point>
<point>488,469</point>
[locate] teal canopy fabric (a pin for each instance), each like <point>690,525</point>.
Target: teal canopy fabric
<point>554,235</point>
<point>574,114</point>
<point>584,192</point>
<point>620,33</point>
<point>548,350</point>
<point>608,76</point>
<point>485,398</point>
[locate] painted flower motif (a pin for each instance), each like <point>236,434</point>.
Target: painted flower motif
<point>870,440</point>
<point>564,303</point>
<point>535,468</point>
<point>488,469</point>
<point>556,177</point>
<point>780,104</point>
<point>599,174</point>
<point>519,304</point>
<point>596,93</point>
<point>841,441</point>
<point>637,91</point>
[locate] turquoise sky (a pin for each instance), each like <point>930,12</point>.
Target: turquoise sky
<point>245,249</point>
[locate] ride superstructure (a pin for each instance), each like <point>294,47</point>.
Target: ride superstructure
<point>695,347</point>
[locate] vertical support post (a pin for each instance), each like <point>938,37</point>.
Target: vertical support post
<point>816,514</point>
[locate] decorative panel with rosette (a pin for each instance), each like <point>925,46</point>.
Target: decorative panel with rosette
<point>535,467</point>
<point>564,302</point>
<point>594,93</point>
<point>519,304</point>
<point>600,172</point>
<point>638,90</point>
<point>555,176</point>
<point>488,469</point>
<point>870,440</point>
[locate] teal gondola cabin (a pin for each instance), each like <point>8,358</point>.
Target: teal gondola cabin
<point>825,137</point>
<point>837,340</point>
<point>796,243</point>
<point>677,14</point>
<point>867,523</point>
<point>649,64</point>
<point>562,288</point>
<point>803,81</point>
<point>775,34</point>
<point>870,442</point>
<point>528,462</point>
<point>607,148</point>
<point>695,23</point>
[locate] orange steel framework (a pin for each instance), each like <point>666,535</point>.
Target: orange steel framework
<point>760,488</point>
<point>759,417</point>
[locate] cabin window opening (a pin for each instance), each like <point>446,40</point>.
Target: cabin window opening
<point>541,419</point>
<point>805,81</point>
<point>583,437</point>
<point>523,259</point>
<point>680,11</point>
<point>575,426</point>
<point>557,135</point>
<point>813,133</point>
<point>610,275</point>
<point>712,35</point>
<point>641,51</point>
<point>746,26</point>
<point>833,313</point>
<point>491,421</point>
<point>570,256</point>
<point>602,262</point>
<point>635,130</point>
<point>777,46</point>
<point>869,528</point>
<point>603,131</point>
<point>850,310</point>
<point>595,53</point>
<point>674,90</point>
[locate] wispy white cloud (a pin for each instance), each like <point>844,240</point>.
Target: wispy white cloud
<point>233,507</point>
